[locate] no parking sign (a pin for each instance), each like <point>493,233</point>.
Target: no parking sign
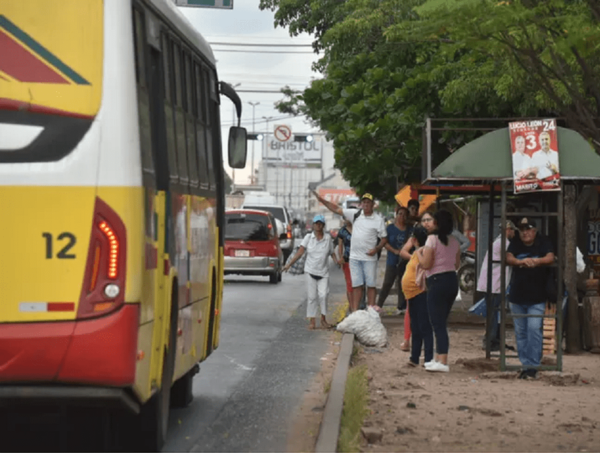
<point>283,132</point>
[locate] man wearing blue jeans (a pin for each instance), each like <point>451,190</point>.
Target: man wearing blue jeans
<point>530,255</point>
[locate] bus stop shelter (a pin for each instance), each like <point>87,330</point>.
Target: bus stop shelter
<point>486,164</point>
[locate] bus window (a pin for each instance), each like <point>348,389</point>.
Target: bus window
<point>178,75</point>
<point>200,128</point>
<point>169,108</point>
<point>143,98</point>
<point>209,133</point>
<point>189,123</point>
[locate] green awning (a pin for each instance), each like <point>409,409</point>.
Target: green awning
<point>488,158</point>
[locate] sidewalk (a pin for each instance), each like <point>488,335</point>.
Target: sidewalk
<point>474,407</point>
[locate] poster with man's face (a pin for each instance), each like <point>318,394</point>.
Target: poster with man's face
<point>534,146</point>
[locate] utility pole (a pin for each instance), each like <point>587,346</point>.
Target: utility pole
<point>266,152</point>
<point>253,104</point>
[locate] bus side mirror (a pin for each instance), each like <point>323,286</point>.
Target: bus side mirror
<point>237,147</point>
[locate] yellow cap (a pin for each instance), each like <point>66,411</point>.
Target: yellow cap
<point>368,196</point>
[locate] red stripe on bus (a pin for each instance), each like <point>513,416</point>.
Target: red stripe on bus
<point>11,104</point>
<point>61,306</point>
<point>23,66</point>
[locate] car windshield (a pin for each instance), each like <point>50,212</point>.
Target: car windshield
<point>278,212</point>
<point>247,227</point>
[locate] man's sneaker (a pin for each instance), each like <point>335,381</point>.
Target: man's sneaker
<point>428,364</point>
<point>531,374</point>
<point>438,366</point>
<point>522,374</point>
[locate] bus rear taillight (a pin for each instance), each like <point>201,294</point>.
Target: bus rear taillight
<point>103,287</point>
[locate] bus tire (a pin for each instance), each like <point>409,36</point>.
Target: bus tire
<point>154,415</point>
<point>181,392</point>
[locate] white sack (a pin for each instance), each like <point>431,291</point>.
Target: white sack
<point>366,326</point>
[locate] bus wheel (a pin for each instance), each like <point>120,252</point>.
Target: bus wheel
<point>181,393</point>
<point>154,415</point>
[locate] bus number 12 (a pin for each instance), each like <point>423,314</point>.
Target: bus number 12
<point>64,252</point>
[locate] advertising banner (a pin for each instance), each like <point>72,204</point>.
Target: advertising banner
<point>291,153</point>
<point>534,146</point>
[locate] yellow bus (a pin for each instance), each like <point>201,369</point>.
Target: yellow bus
<point>112,199</point>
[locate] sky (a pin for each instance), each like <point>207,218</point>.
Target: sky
<point>254,69</point>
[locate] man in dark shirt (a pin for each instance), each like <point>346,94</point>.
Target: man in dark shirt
<point>530,255</point>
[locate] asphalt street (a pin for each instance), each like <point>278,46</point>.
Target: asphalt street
<point>247,392</point>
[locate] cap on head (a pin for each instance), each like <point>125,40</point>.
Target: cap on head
<point>368,196</point>
<point>526,224</point>
<point>510,225</point>
<point>319,218</point>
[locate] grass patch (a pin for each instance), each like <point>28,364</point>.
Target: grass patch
<point>356,399</point>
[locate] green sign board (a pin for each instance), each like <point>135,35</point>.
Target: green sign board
<point>224,4</point>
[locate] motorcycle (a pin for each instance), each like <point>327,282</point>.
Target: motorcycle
<point>466,273</point>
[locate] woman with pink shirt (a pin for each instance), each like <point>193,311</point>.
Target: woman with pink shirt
<point>440,258</point>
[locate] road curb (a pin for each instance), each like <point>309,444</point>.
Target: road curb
<point>332,415</point>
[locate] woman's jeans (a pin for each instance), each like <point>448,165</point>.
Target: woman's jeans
<point>529,333</point>
<point>422,335</point>
<point>441,291</point>
<point>392,273</point>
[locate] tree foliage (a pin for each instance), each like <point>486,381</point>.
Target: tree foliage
<point>390,64</point>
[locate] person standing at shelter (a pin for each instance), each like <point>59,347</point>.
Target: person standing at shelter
<point>413,211</point>
<point>344,241</point>
<point>529,255</point>
<point>417,305</point>
<point>367,227</point>
<point>407,253</point>
<point>440,258</point>
<point>318,248</point>
<point>496,277</point>
<point>397,234</point>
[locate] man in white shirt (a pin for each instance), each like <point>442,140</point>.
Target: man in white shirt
<point>545,161</point>
<point>522,167</point>
<point>367,227</point>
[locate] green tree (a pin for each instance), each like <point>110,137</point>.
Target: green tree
<point>547,50</point>
<point>380,86</point>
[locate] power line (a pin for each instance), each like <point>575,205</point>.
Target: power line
<point>257,45</point>
<point>258,51</point>
<point>259,91</point>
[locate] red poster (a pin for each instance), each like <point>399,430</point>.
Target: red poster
<point>534,147</point>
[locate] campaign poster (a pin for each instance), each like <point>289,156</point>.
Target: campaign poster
<point>534,146</point>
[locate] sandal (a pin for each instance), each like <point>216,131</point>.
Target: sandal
<point>405,346</point>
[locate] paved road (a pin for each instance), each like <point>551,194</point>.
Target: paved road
<point>246,393</point>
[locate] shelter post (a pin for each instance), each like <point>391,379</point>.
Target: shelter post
<point>503,280</point>
<point>570,270</point>
<point>488,295</point>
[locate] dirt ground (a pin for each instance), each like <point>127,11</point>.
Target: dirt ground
<point>468,409</point>
<point>473,409</point>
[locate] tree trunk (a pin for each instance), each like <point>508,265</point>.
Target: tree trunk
<point>570,271</point>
